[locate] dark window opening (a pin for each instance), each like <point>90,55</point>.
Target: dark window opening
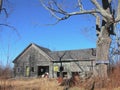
<point>42,70</point>
<point>64,74</point>
<point>93,52</point>
<point>18,70</point>
<point>32,69</point>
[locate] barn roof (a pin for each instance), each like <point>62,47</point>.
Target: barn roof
<point>45,50</point>
<point>81,54</point>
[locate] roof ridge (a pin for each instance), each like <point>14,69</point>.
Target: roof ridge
<point>41,47</point>
<point>74,50</point>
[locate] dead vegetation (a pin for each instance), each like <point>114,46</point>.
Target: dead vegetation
<point>74,83</point>
<point>50,84</point>
<point>95,83</point>
<point>115,76</point>
<point>5,72</point>
<point>30,84</point>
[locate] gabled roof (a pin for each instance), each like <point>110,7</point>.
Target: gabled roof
<point>45,50</point>
<point>82,54</point>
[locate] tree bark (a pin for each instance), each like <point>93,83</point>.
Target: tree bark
<point>102,56</point>
<point>102,50</point>
<point>104,42</point>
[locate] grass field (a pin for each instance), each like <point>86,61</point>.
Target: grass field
<point>37,84</point>
<point>6,83</point>
<point>30,84</point>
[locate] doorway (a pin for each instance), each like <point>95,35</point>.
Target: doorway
<point>42,70</point>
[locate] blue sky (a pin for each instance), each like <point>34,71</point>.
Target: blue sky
<point>30,19</point>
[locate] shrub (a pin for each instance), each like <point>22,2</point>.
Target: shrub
<point>5,72</point>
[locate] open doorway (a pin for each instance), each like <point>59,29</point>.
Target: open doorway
<point>42,70</point>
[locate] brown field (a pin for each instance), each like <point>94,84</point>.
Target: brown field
<point>30,84</point>
<point>6,83</point>
<point>37,84</point>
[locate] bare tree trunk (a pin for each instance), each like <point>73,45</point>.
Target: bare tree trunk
<point>103,42</point>
<point>102,56</point>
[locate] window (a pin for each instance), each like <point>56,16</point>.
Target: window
<point>32,69</point>
<point>64,74</point>
<point>18,69</point>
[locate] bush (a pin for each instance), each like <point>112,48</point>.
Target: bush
<point>115,75</point>
<point>5,72</point>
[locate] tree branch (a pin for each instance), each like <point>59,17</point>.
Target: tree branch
<point>65,15</point>
<point>0,5</point>
<point>77,13</point>
<point>106,15</point>
<point>97,25</point>
<point>8,26</point>
<point>61,56</point>
<point>117,19</point>
<point>3,9</point>
<point>12,27</point>
<point>80,5</point>
<point>59,8</point>
<point>109,1</point>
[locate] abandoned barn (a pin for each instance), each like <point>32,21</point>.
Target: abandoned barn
<point>35,61</point>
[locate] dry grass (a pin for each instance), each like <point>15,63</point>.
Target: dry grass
<point>115,76</point>
<point>30,84</point>
<point>38,84</point>
<point>52,84</point>
<point>113,82</point>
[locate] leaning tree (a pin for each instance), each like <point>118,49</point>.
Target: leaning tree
<point>106,16</point>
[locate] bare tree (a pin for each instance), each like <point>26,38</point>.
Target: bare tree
<point>5,71</point>
<point>3,10</point>
<point>106,19</point>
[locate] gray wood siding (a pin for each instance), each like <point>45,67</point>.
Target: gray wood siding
<point>34,56</point>
<point>31,58</point>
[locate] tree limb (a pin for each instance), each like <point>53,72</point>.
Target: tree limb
<point>3,9</point>
<point>109,1</point>
<point>12,27</point>
<point>0,5</point>
<point>65,15</point>
<point>76,13</point>
<point>118,12</point>
<point>106,15</point>
<point>80,5</point>
<point>61,56</point>
<point>59,8</point>
<point>8,26</point>
<point>97,25</point>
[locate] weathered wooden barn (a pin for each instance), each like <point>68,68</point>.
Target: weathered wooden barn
<point>35,60</point>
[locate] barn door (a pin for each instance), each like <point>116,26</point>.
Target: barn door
<point>27,71</point>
